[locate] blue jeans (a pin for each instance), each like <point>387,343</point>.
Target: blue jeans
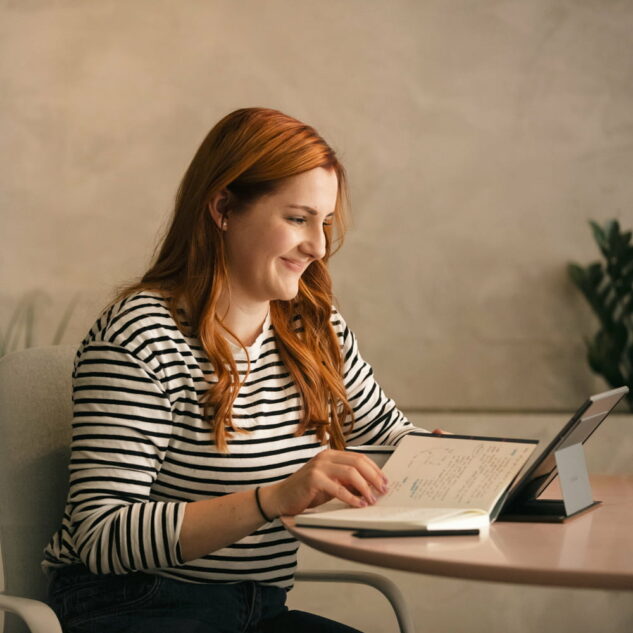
<point>146,603</point>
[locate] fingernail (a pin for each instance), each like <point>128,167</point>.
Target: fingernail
<point>362,503</point>
<point>371,499</point>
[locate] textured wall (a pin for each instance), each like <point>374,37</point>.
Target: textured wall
<point>479,137</point>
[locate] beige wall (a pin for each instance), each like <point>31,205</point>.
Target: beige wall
<point>479,138</point>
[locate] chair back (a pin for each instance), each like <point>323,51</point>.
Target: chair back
<point>35,431</point>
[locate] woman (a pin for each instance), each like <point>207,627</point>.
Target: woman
<point>216,395</point>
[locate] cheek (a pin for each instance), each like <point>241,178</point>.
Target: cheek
<point>259,247</point>
<point>251,255</point>
<point>275,244</point>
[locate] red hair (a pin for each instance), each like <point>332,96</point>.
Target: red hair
<point>249,153</point>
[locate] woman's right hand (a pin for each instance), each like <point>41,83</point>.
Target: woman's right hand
<point>350,477</point>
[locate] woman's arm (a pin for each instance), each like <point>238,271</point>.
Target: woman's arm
<point>377,419</point>
<point>121,431</point>
<point>211,524</point>
<point>122,424</point>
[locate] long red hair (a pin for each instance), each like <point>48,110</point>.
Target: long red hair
<point>249,152</point>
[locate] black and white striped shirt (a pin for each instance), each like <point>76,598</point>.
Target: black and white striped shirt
<point>142,447</point>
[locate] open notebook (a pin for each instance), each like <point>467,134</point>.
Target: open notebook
<point>437,482</point>
<point>444,482</point>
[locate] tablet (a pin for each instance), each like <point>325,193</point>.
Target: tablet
<point>577,431</point>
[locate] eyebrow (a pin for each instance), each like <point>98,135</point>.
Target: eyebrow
<point>308,209</point>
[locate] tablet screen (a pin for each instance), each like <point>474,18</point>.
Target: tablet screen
<point>577,431</point>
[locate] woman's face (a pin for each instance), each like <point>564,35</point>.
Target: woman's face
<point>270,244</point>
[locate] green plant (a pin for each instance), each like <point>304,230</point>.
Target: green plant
<point>20,331</point>
<point>608,287</point>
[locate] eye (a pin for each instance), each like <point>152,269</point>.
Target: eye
<point>297,220</point>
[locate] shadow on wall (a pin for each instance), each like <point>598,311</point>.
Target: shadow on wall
<point>22,326</point>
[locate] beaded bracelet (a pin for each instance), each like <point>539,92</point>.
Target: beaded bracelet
<point>259,505</point>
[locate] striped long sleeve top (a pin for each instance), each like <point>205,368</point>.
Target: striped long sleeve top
<point>142,447</point>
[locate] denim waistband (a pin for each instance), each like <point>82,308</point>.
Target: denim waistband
<point>79,596</point>
<point>67,570</point>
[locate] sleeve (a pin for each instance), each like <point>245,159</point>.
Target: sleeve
<point>377,420</point>
<point>122,422</point>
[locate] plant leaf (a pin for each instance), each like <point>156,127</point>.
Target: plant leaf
<point>604,355</point>
<point>600,237</point>
<point>612,231</point>
<point>595,274</point>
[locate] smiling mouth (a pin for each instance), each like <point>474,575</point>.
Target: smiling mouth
<point>295,265</point>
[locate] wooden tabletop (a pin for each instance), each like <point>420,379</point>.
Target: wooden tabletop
<point>593,550</point>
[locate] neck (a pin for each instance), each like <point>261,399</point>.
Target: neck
<point>243,320</point>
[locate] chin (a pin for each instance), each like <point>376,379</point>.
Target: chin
<point>288,294</point>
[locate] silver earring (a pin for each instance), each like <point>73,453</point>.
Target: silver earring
<point>225,225</point>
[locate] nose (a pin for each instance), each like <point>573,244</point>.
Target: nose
<point>315,244</point>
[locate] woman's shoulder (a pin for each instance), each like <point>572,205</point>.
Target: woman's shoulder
<point>133,318</point>
<point>336,319</point>
<point>340,326</point>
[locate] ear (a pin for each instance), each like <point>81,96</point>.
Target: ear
<point>218,208</point>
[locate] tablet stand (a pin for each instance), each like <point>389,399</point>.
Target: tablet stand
<point>574,483</point>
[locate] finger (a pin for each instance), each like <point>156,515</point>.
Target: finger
<point>353,480</point>
<point>360,461</point>
<point>368,469</point>
<point>337,490</point>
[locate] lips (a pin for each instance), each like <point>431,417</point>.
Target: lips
<point>295,265</point>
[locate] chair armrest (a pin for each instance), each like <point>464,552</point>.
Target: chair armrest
<point>387,587</point>
<point>39,617</point>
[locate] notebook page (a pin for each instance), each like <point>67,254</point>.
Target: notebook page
<point>445,472</point>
